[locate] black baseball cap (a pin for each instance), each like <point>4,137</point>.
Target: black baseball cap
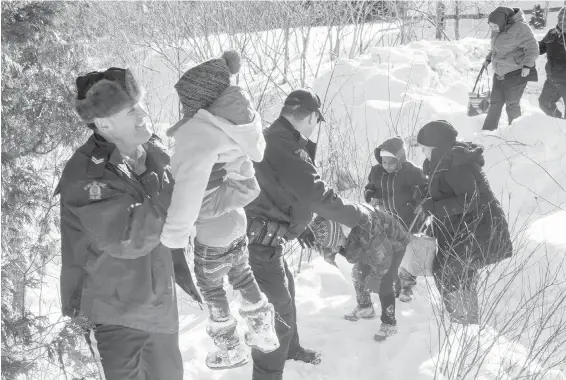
<point>307,99</point>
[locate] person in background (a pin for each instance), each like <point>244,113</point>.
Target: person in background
<point>394,181</point>
<point>115,273</point>
<point>220,130</point>
<point>291,191</point>
<point>554,46</point>
<point>513,54</point>
<point>468,221</point>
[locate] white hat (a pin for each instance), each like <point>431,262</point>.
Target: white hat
<point>384,153</point>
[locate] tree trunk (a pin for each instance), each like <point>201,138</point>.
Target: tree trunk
<point>440,11</point>
<point>286,64</point>
<point>456,20</point>
<point>546,5</point>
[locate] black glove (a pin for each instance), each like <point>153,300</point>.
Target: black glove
<point>329,255</point>
<point>368,195</point>
<point>183,276</point>
<point>150,183</point>
<point>427,205</point>
<point>306,239</point>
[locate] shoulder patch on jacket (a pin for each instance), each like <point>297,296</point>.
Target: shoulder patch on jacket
<point>94,190</point>
<point>302,154</point>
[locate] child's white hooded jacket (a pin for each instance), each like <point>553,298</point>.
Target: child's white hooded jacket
<point>202,142</point>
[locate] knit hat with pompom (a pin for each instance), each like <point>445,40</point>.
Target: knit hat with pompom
<point>327,232</point>
<point>201,85</point>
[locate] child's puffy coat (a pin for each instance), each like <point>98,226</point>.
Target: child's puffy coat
<point>385,239</point>
<point>396,190</point>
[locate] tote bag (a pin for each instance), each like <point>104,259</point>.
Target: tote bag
<point>478,102</point>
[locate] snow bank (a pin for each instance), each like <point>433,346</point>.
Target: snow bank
<point>395,91</point>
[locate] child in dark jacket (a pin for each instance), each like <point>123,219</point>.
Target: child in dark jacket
<point>375,251</point>
<point>396,183</point>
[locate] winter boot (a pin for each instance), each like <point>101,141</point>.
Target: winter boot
<point>386,330</point>
<point>230,352</point>
<point>305,355</point>
<point>260,318</point>
<point>360,312</point>
<point>408,281</point>
<point>462,305</point>
<point>406,294</point>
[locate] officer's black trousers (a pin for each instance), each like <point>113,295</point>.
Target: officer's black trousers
<point>276,282</point>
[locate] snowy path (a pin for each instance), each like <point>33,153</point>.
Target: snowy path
<point>349,351</point>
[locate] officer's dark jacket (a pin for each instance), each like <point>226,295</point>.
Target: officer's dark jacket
<point>114,268</point>
<point>291,188</point>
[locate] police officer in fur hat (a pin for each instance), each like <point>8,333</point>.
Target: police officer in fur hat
<point>115,273</point>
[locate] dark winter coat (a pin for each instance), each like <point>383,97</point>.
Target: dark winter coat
<point>469,220</point>
<point>387,239</point>
<point>554,46</point>
<point>114,269</point>
<point>396,190</point>
<point>291,188</point>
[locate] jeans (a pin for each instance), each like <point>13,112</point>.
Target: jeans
<point>212,264</point>
<point>551,93</point>
<point>506,92</point>
<point>276,282</point>
<point>360,274</point>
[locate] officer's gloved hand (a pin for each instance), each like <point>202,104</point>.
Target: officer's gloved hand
<point>306,239</point>
<point>183,276</point>
<point>150,183</point>
<point>329,255</point>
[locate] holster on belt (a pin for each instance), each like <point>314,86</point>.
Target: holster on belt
<point>264,232</point>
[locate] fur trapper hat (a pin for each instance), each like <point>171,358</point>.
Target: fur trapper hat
<point>102,94</point>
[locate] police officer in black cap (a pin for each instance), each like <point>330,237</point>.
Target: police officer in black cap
<point>291,191</point>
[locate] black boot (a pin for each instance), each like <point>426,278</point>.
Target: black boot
<point>305,355</point>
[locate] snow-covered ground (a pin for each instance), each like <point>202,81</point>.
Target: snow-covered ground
<point>395,91</point>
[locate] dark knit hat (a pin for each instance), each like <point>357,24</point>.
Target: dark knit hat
<point>501,16</point>
<point>326,232</point>
<point>102,94</point>
<point>201,85</point>
<point>437,134</point>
